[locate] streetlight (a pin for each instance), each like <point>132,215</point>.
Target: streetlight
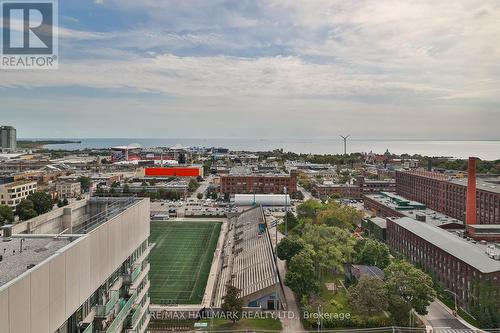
<point>454,294</point>
<point>286,212</point>
<point>319,317</point>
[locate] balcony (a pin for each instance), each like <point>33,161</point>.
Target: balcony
<point>117,323</point>
<point>138,279</point>
<point>104,310</point>
<point>135,274</point>
<point>89,329</point>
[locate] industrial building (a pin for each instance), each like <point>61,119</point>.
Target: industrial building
<point>448,195</point>
<point>341,190</point>
<point>258,183</point>
<point>459,264</point>
<point>387,204</point>
<point>81,268</point>
<point>175,171</point>
<point>375,185</point>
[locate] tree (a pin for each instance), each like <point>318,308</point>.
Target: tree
<point>25,210</point>
<point>332,247</point>
<point>199,196</point>
<point>84,183</point>
<point>6,215</point>
<point>407,288</point>
<point>368,296</point>
<point>193,185</point>
<point>289,247</point>
<point>126,189</point>
<point>375,253</point>
<point>42,202</point>
<point>233,303</point>
<point>65,202</point>
<point>300,275</point>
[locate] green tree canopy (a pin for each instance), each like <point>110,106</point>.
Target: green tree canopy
<point>300,275</point>
<point>26,210</point>
<point>233,304</point>
<point>288,247</point>
<point>6,215</point>
<point>368,296</point>
<point>42,202</point>
<point>407,288</point>
<point>332,247</point>
<point>375,253</point>
<point>84,183</point>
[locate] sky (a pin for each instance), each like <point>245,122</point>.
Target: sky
<point>265,69</point>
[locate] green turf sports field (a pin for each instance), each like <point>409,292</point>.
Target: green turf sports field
<point>181,260</point>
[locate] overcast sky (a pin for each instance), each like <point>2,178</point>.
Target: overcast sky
<point>265,69</point>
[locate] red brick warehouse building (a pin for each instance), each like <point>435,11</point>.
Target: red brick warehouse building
<point>448,195</point>
<point>258,183</point>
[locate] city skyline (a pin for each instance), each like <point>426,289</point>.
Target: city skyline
<point>273,69</point>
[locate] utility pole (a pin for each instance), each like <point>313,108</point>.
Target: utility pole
<point>345,142</point>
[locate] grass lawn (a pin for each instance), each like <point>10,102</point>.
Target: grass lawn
<point>181,260</point>
<point>253,324</point>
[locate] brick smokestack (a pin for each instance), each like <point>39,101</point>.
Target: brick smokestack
<point>471,211</point>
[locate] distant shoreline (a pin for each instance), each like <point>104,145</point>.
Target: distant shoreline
<point>37,144</point>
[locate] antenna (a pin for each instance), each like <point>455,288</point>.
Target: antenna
<point>345,142</point>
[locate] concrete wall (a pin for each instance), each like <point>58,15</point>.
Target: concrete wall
<point>52,222</point>
<point>41,299</point>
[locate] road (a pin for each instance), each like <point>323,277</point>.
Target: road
<point>290,324</point>
<point>440,316</point>
<point>203,187</point>
<point>306,193</point>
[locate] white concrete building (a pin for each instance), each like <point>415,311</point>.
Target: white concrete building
<point>11,194</point>
<point>80,268</point>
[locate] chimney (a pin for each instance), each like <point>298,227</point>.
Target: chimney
<point>429,164</point>
<point>471,192</point>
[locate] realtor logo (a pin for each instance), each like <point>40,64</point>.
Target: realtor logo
<point>29,34</point>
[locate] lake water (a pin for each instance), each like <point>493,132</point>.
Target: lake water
<point>488,150</point>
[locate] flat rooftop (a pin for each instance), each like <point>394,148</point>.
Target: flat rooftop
<point>481,184</point>
<point>470,253</point>
<point>413,208</point>
<point>39,245</point>
<point>34,251</point>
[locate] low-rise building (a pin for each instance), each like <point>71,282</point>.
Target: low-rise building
<point>11,194</point>
<point>387,204</point>
<point>259,183</point>
<point>327,189</point>
<point>375,185</point>
<point>68,189</point>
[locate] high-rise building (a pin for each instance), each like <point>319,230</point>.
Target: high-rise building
<point>81,268</point>
<point>8,138</point>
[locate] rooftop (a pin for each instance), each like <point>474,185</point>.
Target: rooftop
<point>34,251</point>
<point>470,253</point>
<point>412,209</point>
<point>481,184</point>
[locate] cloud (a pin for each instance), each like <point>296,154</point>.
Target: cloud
<point>374,55</point>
